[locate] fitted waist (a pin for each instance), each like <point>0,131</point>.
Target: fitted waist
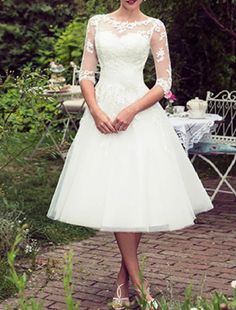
<point>122,77</point>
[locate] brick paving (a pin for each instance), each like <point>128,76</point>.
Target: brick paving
<point>203,255</point>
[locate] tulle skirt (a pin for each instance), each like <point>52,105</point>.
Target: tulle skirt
<point>137,180</point>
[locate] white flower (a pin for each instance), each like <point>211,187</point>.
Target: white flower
<point>28,249</point>
<point>233,284</point>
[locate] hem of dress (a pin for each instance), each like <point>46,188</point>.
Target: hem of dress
<point>149,229</point>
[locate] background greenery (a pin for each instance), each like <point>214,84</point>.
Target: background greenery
<point>201,38</point>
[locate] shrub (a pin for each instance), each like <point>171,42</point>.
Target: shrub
<point>22,105</point>
<point>69,46</point>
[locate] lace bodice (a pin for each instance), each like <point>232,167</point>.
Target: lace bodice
<point>122,48</point>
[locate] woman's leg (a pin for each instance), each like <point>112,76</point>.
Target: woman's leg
<point>128,244</point>
<point>123,275</point>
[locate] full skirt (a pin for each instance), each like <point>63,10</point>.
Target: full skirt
<point>137,180</point>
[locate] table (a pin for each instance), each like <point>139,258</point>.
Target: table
<point>190,130</point>
<point>74,91</point>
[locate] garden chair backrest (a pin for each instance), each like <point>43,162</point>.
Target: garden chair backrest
<point>75,77</point>
<point>224,104</point>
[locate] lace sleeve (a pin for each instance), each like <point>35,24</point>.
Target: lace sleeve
<point>89,59</point>
<point>160,52</point>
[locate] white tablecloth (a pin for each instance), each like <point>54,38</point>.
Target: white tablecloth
<point>191,131</point>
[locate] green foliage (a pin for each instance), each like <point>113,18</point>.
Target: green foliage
<point>28,186</point>
<point>23,106</point>
<point>20,281</point>
<point>31,37</point>
<point>68,285</point>
<point>199,62</point>
<point>7,288</point>
<point>202,54</point>
<point>9,224</point>
<point>69,46</point>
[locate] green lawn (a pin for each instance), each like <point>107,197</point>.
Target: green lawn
<point>26,189</point>
<point>28,185</point>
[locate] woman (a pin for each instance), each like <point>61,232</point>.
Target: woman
<point>126,171</point>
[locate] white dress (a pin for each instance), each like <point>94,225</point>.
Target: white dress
<point>140,179</point>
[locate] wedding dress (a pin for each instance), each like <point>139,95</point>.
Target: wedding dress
<point>135,180</point>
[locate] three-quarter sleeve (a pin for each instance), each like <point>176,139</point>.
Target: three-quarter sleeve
<point>160,52</point>
<point>89,61</point>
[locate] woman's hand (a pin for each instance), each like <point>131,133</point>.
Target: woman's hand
<point>103,122</point>
<point>124,118</point>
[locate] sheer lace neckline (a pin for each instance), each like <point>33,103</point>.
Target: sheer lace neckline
<point>126,22</point>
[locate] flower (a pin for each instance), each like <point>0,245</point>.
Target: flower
<point>170,96</point>
<point>28,249</point>
<point>233,284</point>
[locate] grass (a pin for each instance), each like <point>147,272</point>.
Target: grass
<point>26,188</point>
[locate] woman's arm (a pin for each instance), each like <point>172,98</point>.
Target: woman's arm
<point>88,68</point>
<point>160,52</point>
<point>161,56</point>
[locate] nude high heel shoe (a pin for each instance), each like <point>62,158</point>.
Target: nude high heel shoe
<point>120,303</point>
<point>150,304</point>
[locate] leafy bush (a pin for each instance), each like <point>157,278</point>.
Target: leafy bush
<point>69,46</point>
<point>22,104</point>
<point>28,30</point>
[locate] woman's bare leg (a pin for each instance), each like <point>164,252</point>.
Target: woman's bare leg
<point>123,275</point>
<point>128,245</point>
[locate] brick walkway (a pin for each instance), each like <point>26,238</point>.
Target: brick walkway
<point>203,254</point>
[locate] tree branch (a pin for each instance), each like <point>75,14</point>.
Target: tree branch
<point>212,16</point>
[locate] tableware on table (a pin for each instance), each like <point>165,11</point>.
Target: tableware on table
<point>182,115</point>
<point>197,108</point>
<point>178,109</point>
<point>57,89</point>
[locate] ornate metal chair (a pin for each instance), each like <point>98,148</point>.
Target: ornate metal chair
<point>223,141</point>
<point>72,107</point>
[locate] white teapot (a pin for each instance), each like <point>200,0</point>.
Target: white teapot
<point>197,108</point>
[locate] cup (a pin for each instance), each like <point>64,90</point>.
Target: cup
<point>178,109</point>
